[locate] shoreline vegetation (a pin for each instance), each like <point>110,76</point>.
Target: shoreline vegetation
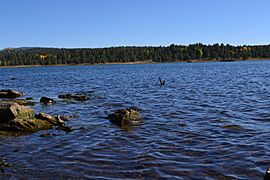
<point>38,57</point>
<point>134,63</point>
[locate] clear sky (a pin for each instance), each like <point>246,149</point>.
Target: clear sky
<point>103,23</point>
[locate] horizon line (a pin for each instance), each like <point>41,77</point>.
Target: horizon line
<point>117,46</point>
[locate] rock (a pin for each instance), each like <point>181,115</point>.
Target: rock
<point>76,97</point>
<point>22,102</point>
<point>28,125</point>
<point>10,94</point>
<point>46,100</point>
<point>65,128</point>
<point>47,135</point>
<point>21,119</point>
<point>65,96</point>
<point>61,119</point>
<point>73,116</point>
<point>29,98</point>
<point>61,122</point>
<point>125,117</point>
<point>10,111</point>
<point>80,97</point>
<point>46,117</point>
<point>17,118</point>
<point>182,125</point>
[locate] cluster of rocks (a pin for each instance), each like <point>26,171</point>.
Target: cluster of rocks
<point>15,115</point>
<point>76,97</point>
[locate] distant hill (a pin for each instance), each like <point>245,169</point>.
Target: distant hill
<point>172,53</point>
<point>19,48</point>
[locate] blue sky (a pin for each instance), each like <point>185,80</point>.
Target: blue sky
<point>105,23</point>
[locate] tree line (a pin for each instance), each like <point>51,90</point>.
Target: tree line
<point>172,53</point>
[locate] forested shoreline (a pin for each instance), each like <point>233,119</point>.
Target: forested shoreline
<point>131,54</point>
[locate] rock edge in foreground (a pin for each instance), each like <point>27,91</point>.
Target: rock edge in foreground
<point>15,117</point>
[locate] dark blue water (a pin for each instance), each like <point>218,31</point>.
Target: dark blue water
<point>210,121</point>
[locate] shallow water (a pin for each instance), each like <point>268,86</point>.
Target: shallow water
<point>210,120</point>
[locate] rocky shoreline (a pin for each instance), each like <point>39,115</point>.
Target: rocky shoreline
<point>16,115</point>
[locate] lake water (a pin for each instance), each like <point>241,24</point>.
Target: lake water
<point>210,121</point>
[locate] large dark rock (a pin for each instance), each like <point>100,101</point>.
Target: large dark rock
<point>76,97</point>
<point>26,125</point>
<point>10,111</point>
<point>10,94</point>
<point>125,117</point>
<point>14,117</point>
<point>46,100</point>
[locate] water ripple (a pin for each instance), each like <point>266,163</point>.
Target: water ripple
<point>210,121</point>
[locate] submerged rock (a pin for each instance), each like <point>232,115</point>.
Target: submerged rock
<point>233,127</point>
<point>65,128</point>
<point>124,117</point>
<point>65,96</point>
<point>46,100</point>
<point>47,135</point>
<point>80,97</point>
<point>10,94</point>
<point>76,97</point>
<point>62,118</point>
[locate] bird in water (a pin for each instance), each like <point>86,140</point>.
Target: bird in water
<point>161,82</point>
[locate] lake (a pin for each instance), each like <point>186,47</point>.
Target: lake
<point>209,121</point>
